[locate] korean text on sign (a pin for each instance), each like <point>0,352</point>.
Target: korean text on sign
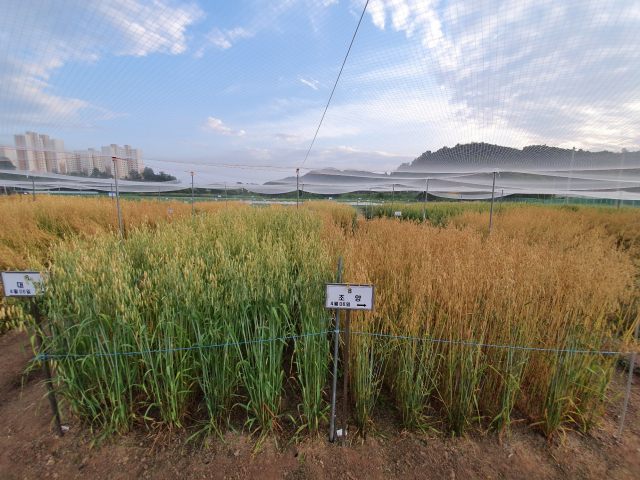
<point>349,297</point>
<point>21,284</point>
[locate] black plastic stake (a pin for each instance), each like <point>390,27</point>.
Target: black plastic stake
<point>47,368</point>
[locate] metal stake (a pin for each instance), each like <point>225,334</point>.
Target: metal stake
<point>393,191</point>
<point>346,378</point>
<point>298,188</point>
<point>566,199</point>
<point>424,209</point>
<point>53,402</point>
<point>493,189</point>
<point>192,204</point>
<point>626,396</point>
<point>115,169</point>
<point>336,341</point>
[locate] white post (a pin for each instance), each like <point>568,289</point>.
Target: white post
<point>192,198</point>
<point>393,192</point>
<point>573,154</point>
<point>493,189</point>
<point>115,169</point>
<point>424,209</point>
<point>298,188</point>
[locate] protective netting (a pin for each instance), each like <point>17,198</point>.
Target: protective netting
<point>235,92</point>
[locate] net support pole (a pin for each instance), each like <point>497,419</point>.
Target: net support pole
<point>226,203</point>
<point>33,186</point>
<point>53,402</point>
<point>192,197</point>
<point>297,188</point>
<point>493,191</point>
<point>345,367</point>
<point>111,193</point>
<point>371,203</point>
<point>393,194</point>
<point>424,208</point>
<point>628,392</point>
<point>115,170</point>
<point>573,155</point>
<point>336,342</point>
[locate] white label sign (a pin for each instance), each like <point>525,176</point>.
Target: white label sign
<point>343,296</point>
<point>398,214</point>
<point>21,284</point>
<point>112,194</point>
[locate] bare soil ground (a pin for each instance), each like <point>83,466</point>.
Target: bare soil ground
<point>30,449</point>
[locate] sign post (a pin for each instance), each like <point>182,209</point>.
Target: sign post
<point>343,296</point>
<point>27,285</point>
<point>336,341</point>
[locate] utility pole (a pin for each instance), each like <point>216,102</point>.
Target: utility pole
<point>298,188</point>
<point>192,199</point>
<point>115,174</point>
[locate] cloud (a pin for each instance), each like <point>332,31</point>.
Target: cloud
<point>215,125</point>
<point>290,138</point>
<point>40,46</point>
<point>149,27</point>
<point>311,83</point>
<point>520,70</point>
<point>223,40</point>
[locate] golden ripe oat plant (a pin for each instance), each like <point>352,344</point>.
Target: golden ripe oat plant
<point>460,286</point>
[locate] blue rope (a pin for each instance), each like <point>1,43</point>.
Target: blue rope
<point>486,344</point>
<point>435,340</point>
<point>166,350</point>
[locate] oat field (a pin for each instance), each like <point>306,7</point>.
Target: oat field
<point>193,319</point>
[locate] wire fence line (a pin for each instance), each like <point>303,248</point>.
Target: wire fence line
<point>435,340</point>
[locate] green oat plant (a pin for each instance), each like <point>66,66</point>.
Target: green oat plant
<point>148,330</point>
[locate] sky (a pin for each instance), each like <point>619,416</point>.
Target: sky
<point>235,90</point>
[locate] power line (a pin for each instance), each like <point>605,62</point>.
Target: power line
<point>336,84</point>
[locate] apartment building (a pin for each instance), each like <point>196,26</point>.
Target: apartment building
<point>9,153</point>
<point>129,159</point>
<point>41,153</point>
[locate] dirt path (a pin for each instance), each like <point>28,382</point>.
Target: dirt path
<point>29,449</point>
